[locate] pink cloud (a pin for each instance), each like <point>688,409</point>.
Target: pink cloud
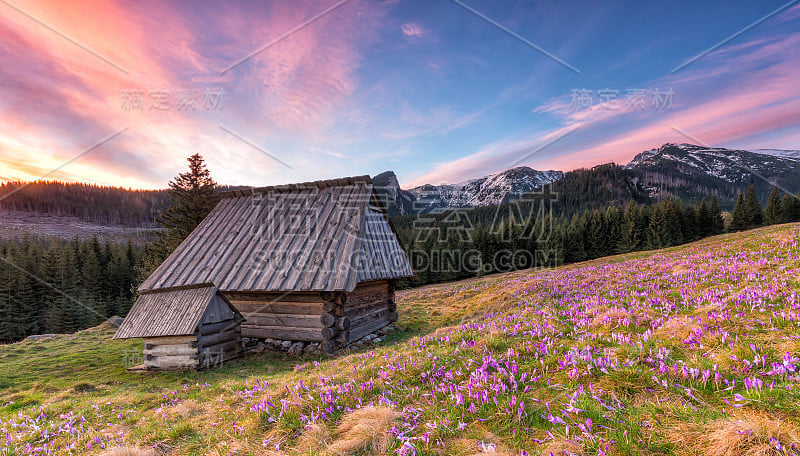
<point>734,99</point>
<point>65,98</point>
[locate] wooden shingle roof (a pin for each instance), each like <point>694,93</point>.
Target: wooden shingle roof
<point>312,236</point>
<point>174,312</point>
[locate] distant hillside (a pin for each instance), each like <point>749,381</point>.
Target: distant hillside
<point>598,187</point>
<point>690,172</point>
<point>91,203</point>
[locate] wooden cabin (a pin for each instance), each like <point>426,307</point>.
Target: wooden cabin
<point>191,327</point>
<point>313,262</point>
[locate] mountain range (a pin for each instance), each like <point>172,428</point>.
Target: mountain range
<point>684,171</point>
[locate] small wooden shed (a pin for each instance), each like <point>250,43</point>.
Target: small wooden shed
<point>191,327</point>
<point>314,262</point>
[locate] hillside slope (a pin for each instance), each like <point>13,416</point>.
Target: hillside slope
<point>688,350</point>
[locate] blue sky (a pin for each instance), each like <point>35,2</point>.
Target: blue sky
<point>425,88</point>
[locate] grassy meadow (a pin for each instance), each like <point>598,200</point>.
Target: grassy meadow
<point>691,350</point>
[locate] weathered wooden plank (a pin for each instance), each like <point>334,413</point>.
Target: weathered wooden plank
<point>343,323</point>
<point>216,338</point>
<point>211,328</point>
<point>169,350</point>
<point>172,362</point>
<point>324,320</point>
<point>288,333</point>
<point>288,297</point>
<point>249,307</point>
<point>208,362</point>
<point>367,328</point>
<point>343,337</point>
<point>222,347</point>
<point>394,316</point>
<point>372,314</point>
<point>169,340</point>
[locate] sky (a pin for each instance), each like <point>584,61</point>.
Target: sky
<point>439,91</point>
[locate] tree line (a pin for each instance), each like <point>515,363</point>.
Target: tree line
<point>93,203</point>
<point>60,286</point>
<point>459,244</point>
<point>51,285</point>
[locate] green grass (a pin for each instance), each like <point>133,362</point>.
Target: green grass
<point>539,320</point>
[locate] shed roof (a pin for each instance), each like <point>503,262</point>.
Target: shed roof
<point>172,312</point>
<point>314,236</point>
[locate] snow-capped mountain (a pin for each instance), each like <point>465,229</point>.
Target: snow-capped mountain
<point>489,190</point>
<point>684,171</point>
<point>689,171</point>
<point>780,153</point>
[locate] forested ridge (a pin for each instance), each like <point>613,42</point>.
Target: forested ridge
<point>93,203</point>
<point>464,243</point>
<point>52,285</point>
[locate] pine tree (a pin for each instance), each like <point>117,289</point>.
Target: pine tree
<point>704,221</point>
<point>717,222</point>
<point>629,231</point>
<point>791,209</point>
<point>755,214</point>
<point>739,218</point>
<point>774,211</point>
<point>192,196</point>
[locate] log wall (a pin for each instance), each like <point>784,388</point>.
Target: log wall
<point>171,352</point>
<point>213,343</point>
<point>334,319</point>
<point>369,307</point>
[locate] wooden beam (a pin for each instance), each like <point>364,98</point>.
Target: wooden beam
<point>169,350</point>
<point>288,333</point>
<point>255,296</point>
<point>211,328</point>
<point>324,320</point>
<point>371,327</point>
<point>213,339</point>
<point>299,308</point>
<point>343,323</point>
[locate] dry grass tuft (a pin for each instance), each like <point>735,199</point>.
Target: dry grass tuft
<point>679,327</point>
<point>184,409</point>
<point>489,445</point>
<point>365,431</point>
<point>129,451</point>
<point>757,436</point>
<point>314,439</point>
<point>611,316</point>
<point>561,447</point>
<point>681,269</point>
<point>754,435</point>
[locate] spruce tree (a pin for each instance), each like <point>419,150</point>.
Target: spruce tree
<point>774,211</point>
<point>192,196</point>
<point>717,221</point>
<point>739,217</point>
<point>755,214</point>
<point>791,209</point>
<point>704,221</point>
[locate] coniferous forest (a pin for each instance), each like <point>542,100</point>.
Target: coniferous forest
<point>459,244</point>
<point>51,285</point>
